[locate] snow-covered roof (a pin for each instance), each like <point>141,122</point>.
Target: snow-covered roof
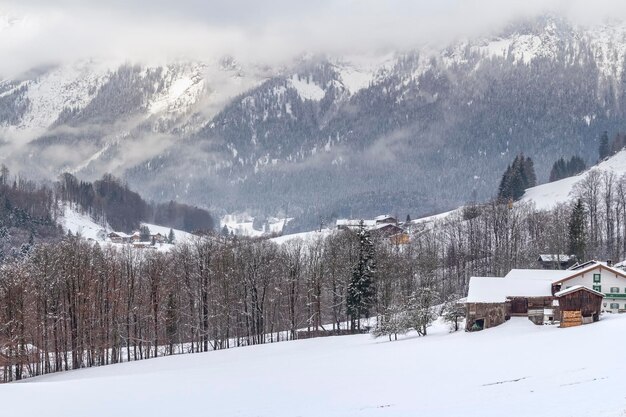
<point>557,276</point>
<point>577,265</point>
<point>538,274</point>
<point>593,265</point>
<point>576,288</point>
<point>384,217</point>
<point>385,225</point>
<point>119,234</point>
<point>497,290</point>
<point>554,258</point>
<point>620,265</point>
<point>355,223</point>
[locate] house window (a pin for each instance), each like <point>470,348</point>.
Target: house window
<point>597,288</point>
<point>596,277</point>
<point>614,306</point>
<point>614,290</point>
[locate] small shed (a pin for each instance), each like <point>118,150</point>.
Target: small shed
<point>558,261</point>
<point>579,305</point>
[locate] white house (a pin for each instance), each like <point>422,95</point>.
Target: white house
<point>595,275</point>
<point>599,277</point>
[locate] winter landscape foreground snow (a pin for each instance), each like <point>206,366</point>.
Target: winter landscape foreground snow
<point>517,369</point>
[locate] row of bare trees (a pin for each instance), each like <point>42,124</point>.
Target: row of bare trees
<point>75,304</point>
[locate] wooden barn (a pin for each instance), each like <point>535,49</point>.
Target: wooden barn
<point>537,294</point>
<point>579,305</point>
<point>492,300</point>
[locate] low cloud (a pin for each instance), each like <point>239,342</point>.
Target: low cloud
<point>37,32</point>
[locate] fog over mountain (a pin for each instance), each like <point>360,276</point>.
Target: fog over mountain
<point>309,112</point>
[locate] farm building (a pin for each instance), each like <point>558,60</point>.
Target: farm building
<point>579,305</point>
<point>386,219</point>
<point>492,300</point>
<point>119,237</point>
<point>352,224</point>
<point>555,261</point>
<point>601,277</point>
<point>572,295</point>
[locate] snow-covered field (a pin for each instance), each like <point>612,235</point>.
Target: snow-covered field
<point>243,225</point>
<point>82,224</point>
<point>79,223</point>
<point>517,369</point>
<point>546,196</point>
<point>305,237</point>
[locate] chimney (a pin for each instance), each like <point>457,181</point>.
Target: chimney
<point>609,262</point>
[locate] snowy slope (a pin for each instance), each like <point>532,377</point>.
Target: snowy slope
<point>500,371</point>
<point>243,225</point>
<point>78,223</point>
<point>180,236</point>
<point>548,195</point>
<point>82,224</point>
<point>69,86</point>
<point>304,237</point>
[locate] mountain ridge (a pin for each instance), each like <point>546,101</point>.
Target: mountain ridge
<point>375,134</point>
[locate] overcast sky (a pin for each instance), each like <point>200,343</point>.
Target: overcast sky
<point>262,31</point>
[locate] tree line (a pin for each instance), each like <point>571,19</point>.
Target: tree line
<point>74,304</point>
<point>111,201</point>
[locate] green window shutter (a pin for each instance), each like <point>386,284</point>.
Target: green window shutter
<point>596,278</point>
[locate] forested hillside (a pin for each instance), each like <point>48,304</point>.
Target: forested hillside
<point>111,201</point>
<point>415,131</point>
<point>27,216</point>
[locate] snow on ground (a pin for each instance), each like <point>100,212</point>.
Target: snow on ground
<point>180,236</point>
<point>185,88</point>
<point>435,217</point>
<point>305,237</point>
<point>83,224</point>
<point>546,196</point>
<point>69,86</point>
<point>243,225</point>
<point>517,369</point>
<point>307,90</point>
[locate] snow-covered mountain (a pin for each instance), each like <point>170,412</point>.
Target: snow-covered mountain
<point>408,132</point>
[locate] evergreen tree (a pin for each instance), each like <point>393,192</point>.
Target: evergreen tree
<point>576,165</point>
<point>528,172</point>
<point>576,232</point>
<point>517,177</point>
<point>170,237</point>
<point>558,170</point>
<point>563,169</point>
<point>144,234</point>
<point>361,292</point>
<point>603,149</point>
